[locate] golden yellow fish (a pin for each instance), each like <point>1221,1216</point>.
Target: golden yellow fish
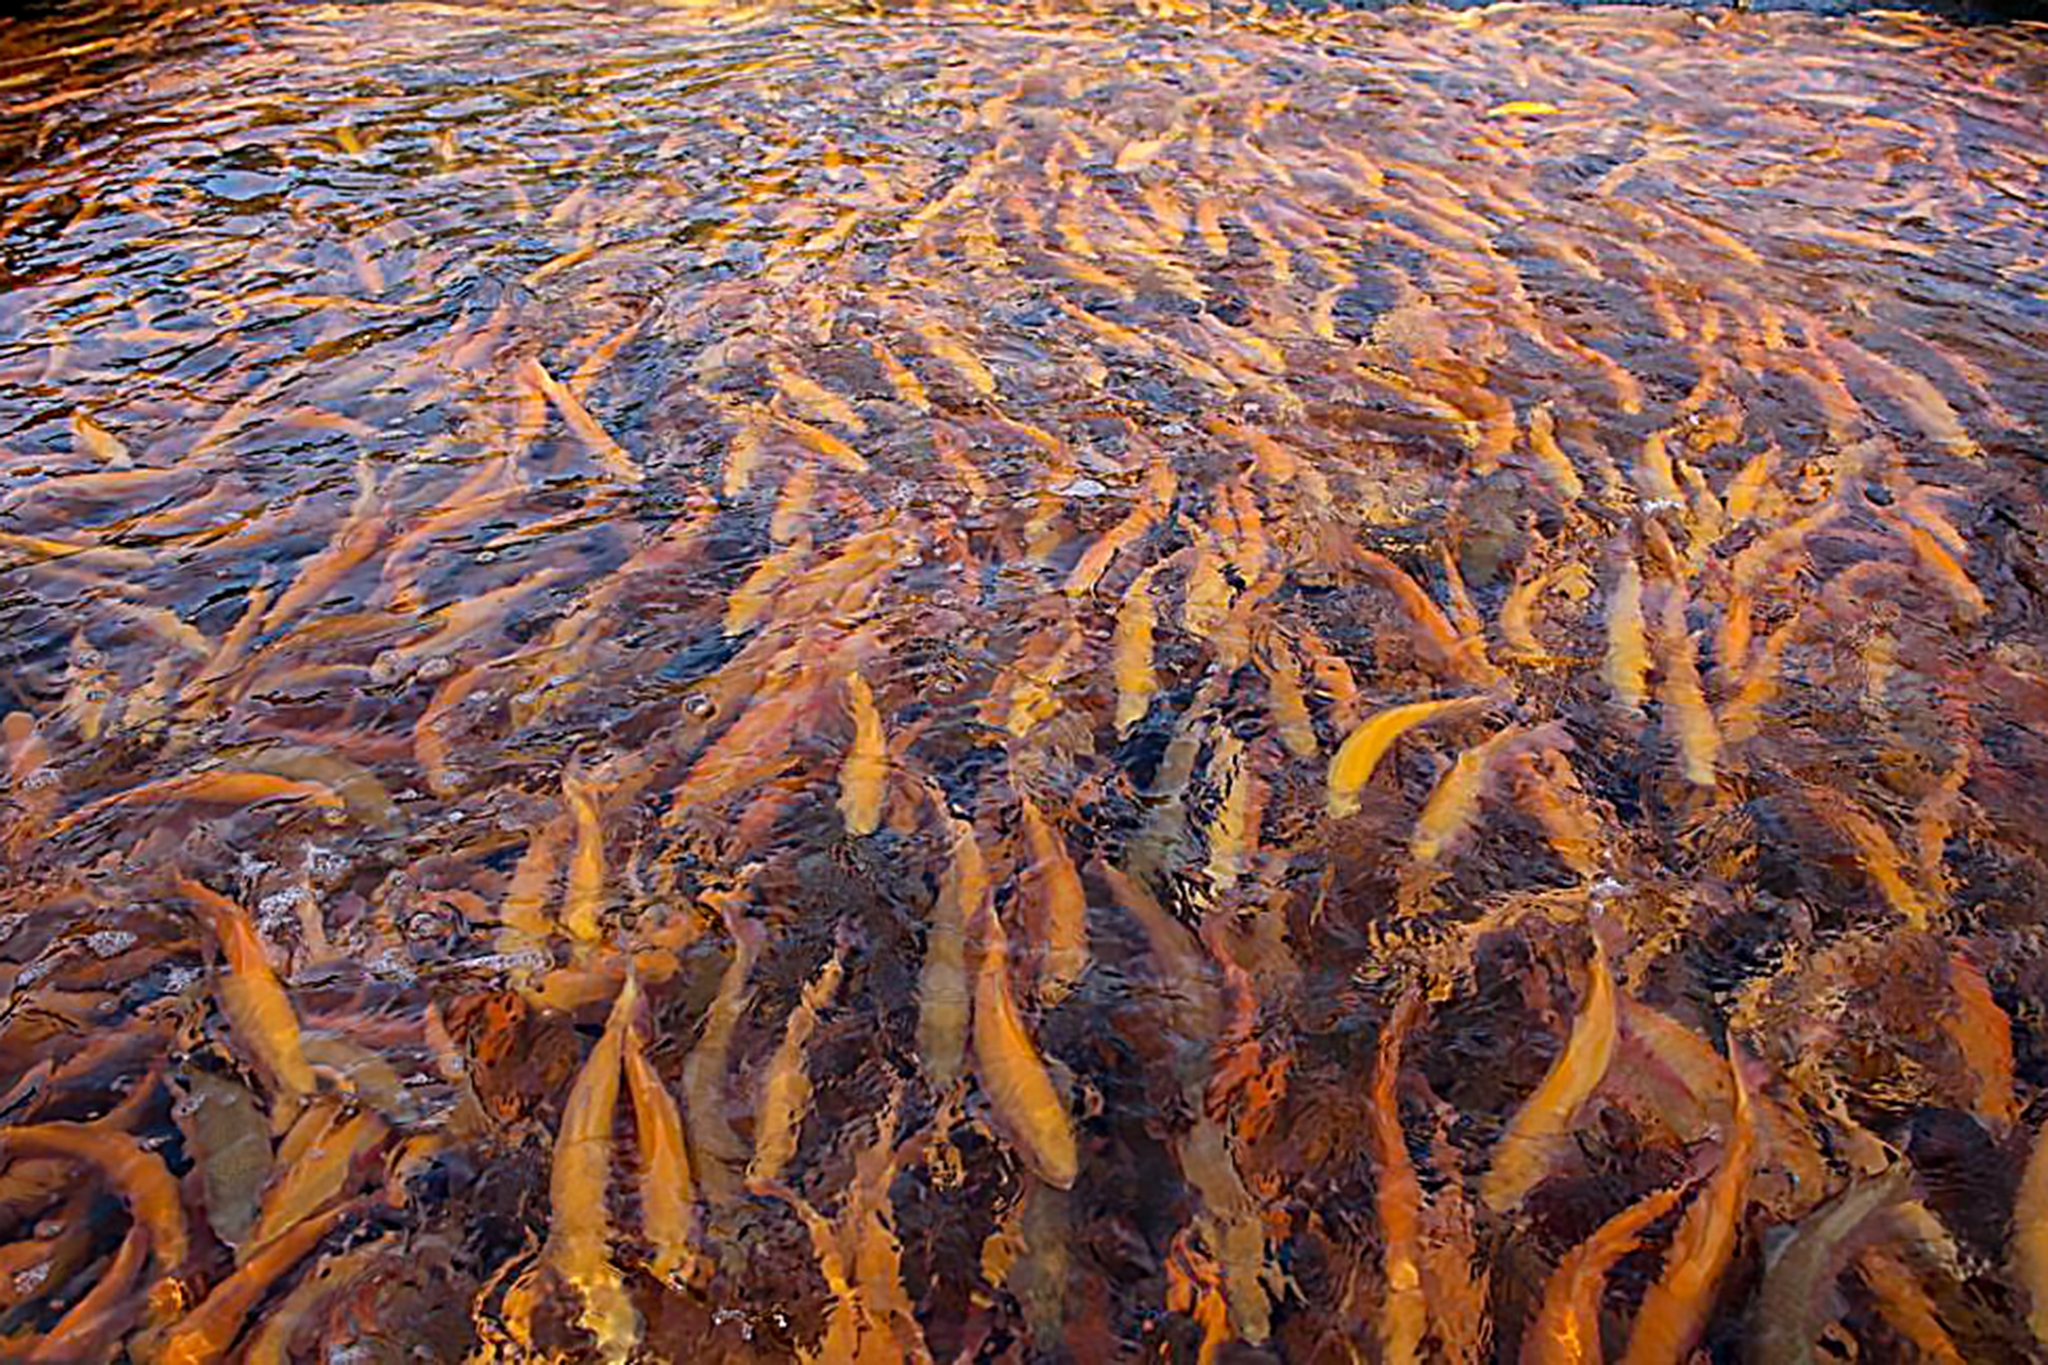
<point>1526,1151</point>
<point>1353,764</point>
<point>864,773</point>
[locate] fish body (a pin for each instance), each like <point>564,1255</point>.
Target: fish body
<point>864,772</point>
<point>1356,758</point>
<point>1567,1326</point>
<point>583,897</point>
<point>578,1248</point>
<point>1055,886</point>
<point>1136,683</point>
<point>254,1000</point>
<point>1013,1073</point>
<point>1627,666</point>
<point>1674,1310</point>
<point>1527,1149</point>
<point>1397,1199</point>
<point>667,1189</point>
<point>943,987</point>
<point>786,1088</point>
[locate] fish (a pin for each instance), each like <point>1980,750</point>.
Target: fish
<point>316,1176</point>
<point>1797,1299</point>
<point>1095,561</point>
<point>1943,568</point>
<point>943,344</point>
<point>1233,831</point>
<point>270,1343</point>
<point>1352,766</point>
<point>908,387</point>
<point>462,622</point>
<point>1052,884</point>
<point>756,745</point>
<point>611,456</point>
<point>1742,714</point>
<point>742,454</point>
<point>1747,489</point>
<point>863,775</point>
<point>91,1327</point>
<point>2028,1247</point>
<point>138,1176</point>
<point>578,1247</point>
<point>1012,1072</point>
<point>792,505</point>
<point>1463,656</point>
<point>78,554</point>
<point>1627,665</point>
<point>583,895</point>
<point>1453,803</point>
<point>1566,1330</point>
<point>1982,1035</point>
<point>943,985</point>
<point>1699,740</point>
<point>521,909</point>
<point>717,1155</point>
<point>823,442</point>
<point>751,600</point>
<point>1905,1306</point>
<point>1231,1225</point>
<point>1923,404</point>
<point>33,785</point>
<point>786,1084</point>
<point>1403,1316</point>
<point>814,398</point>
<point>1285,698</point>
<point>1034,691</point>
<point>1674,1309</point>
<point>200,693</point>
<point>668,1217</point>
<point>1876,852</point>
<point>257,1006</point>
<point>1547,788</point>
<point>1555,465</point>
<point>1526,1151</point>
<point>205,1335</point>
<point>354,541</point>
<point>1206,603</point>
<point>89,437</point>
<point>165,625</point>
<point>1137,684</point>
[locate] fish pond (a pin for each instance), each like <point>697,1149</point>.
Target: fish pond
<point>982,682</point>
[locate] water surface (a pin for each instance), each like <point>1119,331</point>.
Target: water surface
<point>892,542</point>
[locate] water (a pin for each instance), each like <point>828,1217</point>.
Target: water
<point>904,532</point>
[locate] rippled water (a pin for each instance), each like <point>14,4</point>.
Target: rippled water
<point>727,683</point>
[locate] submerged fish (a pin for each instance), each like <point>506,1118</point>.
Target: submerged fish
<point>1527,1149</point>
<point>1360,753</point>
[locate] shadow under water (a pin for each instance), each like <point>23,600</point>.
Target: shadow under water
<point>803,682</point>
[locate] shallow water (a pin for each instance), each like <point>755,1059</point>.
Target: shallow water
<point>904,530</point>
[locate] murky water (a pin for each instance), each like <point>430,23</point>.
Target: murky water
<point>975,683</point>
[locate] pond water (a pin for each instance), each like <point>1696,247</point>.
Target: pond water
<point>967,682</point>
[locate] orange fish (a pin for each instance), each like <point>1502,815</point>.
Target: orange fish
<point>1567,1327</point>
<point>943,987</point>
<point>258,1009</point>
<point>1053,885</point>
<point>1526,1151</point>
<point>1675,1308</point>
<point>786,1085</point>
<point>667,1190</point>
<point>864,773</point>
<point>1397,1198</point>
<point>1011,1070</point>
